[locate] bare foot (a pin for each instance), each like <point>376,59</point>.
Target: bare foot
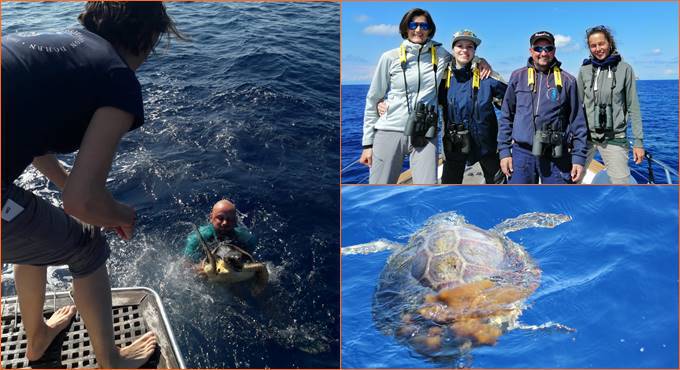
<point>137,353</point>
<point>59,320</point>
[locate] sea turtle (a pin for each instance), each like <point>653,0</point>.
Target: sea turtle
<point>226,262</point>
<point>455,285</point>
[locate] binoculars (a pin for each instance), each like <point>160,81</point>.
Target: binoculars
<point>545,139</point>
<point>459,139</point>
<point>422,122</point>
<point>602,123</point>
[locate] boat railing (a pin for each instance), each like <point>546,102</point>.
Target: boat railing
<point>363,180</point>
<point>669,172</point>
<point>14,309</point>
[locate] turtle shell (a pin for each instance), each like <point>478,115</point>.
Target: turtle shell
<point>456,255</point>
<point>453,286</point>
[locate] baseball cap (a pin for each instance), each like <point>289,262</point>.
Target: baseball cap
<point>542,35</point>
<point>466,35</point>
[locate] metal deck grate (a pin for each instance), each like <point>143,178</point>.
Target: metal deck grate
<point>13,346</point>
<point>135,312</point>
<point>76,351</point>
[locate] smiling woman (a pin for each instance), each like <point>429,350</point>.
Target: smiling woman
<point>609,107</point>
<point>470,124</point>
<point>409,79</point>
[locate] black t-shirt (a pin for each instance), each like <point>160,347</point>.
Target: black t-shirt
<point>51,86</point>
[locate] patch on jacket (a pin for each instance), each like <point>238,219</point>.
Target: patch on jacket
<point>552,94</point>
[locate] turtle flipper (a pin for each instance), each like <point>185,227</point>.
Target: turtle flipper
<point>372,247</point>
<point>209,255</point>
<point>545,326</point>
<point>533,219</point>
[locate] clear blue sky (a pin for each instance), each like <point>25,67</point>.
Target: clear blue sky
<point>646,33</point>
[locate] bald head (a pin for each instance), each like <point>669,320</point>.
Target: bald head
<point>223,217</point>
<point>223,205</point>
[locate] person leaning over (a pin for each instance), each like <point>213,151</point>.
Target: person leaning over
<point>470,125</point>
<point>606,85</point>
<point>84,82</point>
<point>542,131</point>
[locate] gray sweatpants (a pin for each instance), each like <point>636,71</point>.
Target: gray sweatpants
<point>615,158</point>
<point>34,232</point>
<point>389,149</point>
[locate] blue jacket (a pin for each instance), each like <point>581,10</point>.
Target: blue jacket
<point>563,110</point>
<point>480,121</point>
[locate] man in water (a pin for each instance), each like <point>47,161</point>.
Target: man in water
<point>224,228</point>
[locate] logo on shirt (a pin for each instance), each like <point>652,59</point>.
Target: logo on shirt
<point>552,94</point>
<point>60,42</point>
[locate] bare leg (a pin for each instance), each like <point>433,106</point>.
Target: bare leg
<point>93,299</point>
<point>30,284</point>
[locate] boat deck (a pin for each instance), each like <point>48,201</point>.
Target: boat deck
<point>596,173</point>
<point>135,312</point>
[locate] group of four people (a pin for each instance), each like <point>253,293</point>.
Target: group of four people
<point>550,126</point>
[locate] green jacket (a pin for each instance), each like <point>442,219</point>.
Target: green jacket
<point>193,250</point>
<point>625,105</point>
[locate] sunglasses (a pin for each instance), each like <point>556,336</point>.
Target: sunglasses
<point>600,28</point>
<point>423,26</point>
<point>547,48</point>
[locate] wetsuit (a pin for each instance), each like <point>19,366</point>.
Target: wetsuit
<point>240,237</point>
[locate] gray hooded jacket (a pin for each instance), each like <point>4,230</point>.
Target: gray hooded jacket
<point>388,84</point>
<point>624,101</point>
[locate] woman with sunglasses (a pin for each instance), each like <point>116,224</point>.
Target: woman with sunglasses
<point>407,78</point>
<point>606,85</point>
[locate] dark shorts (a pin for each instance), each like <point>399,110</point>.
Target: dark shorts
<point>44,235</point>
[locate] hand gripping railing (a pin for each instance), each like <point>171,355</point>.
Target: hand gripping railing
<point>669,172</point>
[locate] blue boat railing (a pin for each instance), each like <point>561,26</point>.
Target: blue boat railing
<point>350,166</point>
<point>363,180</point>
<point>670,173</point>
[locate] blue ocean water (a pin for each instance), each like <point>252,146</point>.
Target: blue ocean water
<point>611,273</point>
<point>658,103</point>
<point>248,109</point>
